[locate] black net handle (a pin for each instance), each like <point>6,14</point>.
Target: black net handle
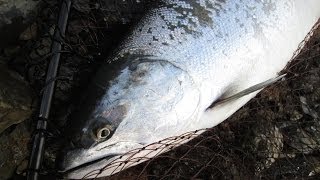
<point>38,141</point>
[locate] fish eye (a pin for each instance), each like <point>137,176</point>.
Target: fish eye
<point>103,133</point>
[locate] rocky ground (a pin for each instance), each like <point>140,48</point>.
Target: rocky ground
<point>276,135</point>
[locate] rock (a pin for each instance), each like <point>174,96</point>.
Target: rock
<point>13,149</point>
<point>21,169</point>
<point>296,116</point>
<point>269,144</point>
<point>10,9</point>
<point>42,48</point>
<point>15,99</point>
<point>304,135</point>
<point>14,18</point>
<point>11,51</point>
<point>29,33</point>
<point>306,108</point>
<point>82,6</point>
<point>316,170</point>
<point>306,140</point>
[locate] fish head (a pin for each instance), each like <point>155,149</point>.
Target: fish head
<point>146,102</point>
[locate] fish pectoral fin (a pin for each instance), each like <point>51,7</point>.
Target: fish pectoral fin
<point>225,107</point>
<point>247,91</point>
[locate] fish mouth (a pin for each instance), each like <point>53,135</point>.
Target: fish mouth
<point>77,159</point>
<point>80,162</point>
<point>65,171</point>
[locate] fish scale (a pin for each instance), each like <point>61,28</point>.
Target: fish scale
<point>179,59</point>
<point>212,42</point>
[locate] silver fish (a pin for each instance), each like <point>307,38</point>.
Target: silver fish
<point>182,57</point>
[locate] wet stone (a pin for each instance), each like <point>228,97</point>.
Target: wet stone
<point>11,51</point>
<point>13,149</point>
<point>29,33</point>
<point>14,18</point>
<point>15,99</point>
<point>268,143</point>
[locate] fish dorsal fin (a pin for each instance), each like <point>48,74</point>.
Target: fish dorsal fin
<point>249,90</point>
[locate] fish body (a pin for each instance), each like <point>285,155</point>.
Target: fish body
<point>183,56</point>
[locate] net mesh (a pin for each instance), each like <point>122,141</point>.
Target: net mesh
<point>275,136</point>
